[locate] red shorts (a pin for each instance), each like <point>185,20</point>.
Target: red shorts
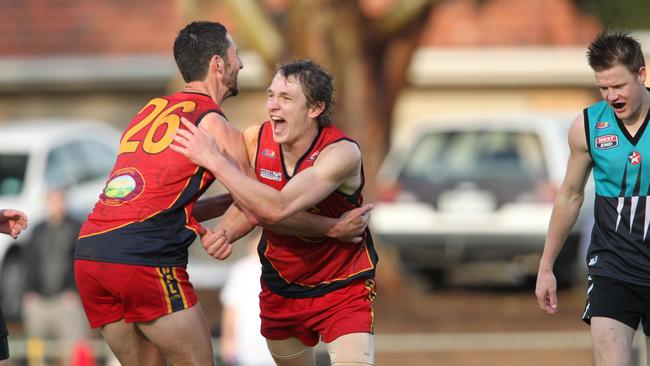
<point>343,311</point>
<point>113,291</point>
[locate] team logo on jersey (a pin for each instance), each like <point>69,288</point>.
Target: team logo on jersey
<point>124,185</point>
<point>313,156</point>
<point>635,158</point>
<point>268,153</point>
<point>271,175</point>
<point>606,142</point>
<point>602,125</point>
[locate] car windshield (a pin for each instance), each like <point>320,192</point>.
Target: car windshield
<point>12,173</point>
<point>510,164</point>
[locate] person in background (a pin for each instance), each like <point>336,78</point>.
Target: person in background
<point>241,341</point>
<point>52,309</point>
<point>12,222</point>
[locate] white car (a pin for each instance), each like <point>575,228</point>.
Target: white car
<point>34,154</point>
<point>473,197</point>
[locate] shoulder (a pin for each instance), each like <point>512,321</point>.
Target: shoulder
<point>213,118</point>
<point>251,133</point>
<point>251,137</point>
<point>342,152</point>
<point>578,133</point>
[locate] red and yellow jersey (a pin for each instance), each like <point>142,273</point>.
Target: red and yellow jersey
<point>299,267</point>
<point>144,214</point>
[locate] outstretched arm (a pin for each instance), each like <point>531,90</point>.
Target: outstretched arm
<point>12,222</point>
<point>335,164</point>
<point>564,215</point>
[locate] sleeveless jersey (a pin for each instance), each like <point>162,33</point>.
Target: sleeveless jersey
<point>144,214</point>
<point>298,267</point>
<point>619,245</point>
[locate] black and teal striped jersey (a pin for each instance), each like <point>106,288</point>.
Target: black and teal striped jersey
<point>620,247</point>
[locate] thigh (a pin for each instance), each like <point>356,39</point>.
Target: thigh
<point>70,323</point>
<point>35,316</point>
<point>291,352</point>
<point>129,346</point>
<point>612,341</point>
<point>182,336</point>
<point>284,318</point>
<point>344,311</point>
<point>352,349</point>
<point>613,299</point>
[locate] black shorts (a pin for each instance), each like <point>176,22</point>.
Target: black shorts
<point>610,298</point>
<point>4,348</point>
<point>4,344</point>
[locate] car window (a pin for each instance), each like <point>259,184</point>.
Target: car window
<point>477,155</point>
<point>79,162</point>
<point>97,158</point>
<point>64,165</point>
<point>12,173</point>
<point>510,164</point>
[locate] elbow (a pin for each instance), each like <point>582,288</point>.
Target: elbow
<point>270,216</point>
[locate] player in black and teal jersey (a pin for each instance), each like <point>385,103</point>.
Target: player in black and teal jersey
<point>609,138</point>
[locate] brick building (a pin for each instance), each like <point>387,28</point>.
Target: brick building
<point>99,59</point>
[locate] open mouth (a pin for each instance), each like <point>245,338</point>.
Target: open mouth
<point>279,124</point>
<point>618,106</point>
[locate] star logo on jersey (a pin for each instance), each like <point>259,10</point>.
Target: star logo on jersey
<point>634,157</point>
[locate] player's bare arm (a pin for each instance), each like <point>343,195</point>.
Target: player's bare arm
<point>336,165</point>
<point>349,227</point>
<point>564,215</point>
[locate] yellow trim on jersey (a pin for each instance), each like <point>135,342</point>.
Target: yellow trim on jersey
<point>152,215</point>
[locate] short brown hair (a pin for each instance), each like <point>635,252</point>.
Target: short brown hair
<point>613,47</point>
<point>316,83</point>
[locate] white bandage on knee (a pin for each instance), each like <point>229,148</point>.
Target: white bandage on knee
<point>287,349</point>
<point>355,349</point>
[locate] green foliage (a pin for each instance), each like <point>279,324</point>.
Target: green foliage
<point>625,14</point>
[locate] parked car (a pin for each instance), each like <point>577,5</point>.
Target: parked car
<point>38,153</point>
<point>474,196</point>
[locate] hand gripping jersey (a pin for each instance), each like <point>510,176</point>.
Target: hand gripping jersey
<point>620,243</point>
<point>144,214</point>
<point>298,267</point>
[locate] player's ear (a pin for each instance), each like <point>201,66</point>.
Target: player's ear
<point>642,75</point>
<point>316,109</point>
<point>217,64</point>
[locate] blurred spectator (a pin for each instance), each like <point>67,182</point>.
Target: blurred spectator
<point>241,341</point>
<point>52,309</point>
<point>12,222</point>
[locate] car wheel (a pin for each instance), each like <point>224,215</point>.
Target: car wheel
<point>12,286</point>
